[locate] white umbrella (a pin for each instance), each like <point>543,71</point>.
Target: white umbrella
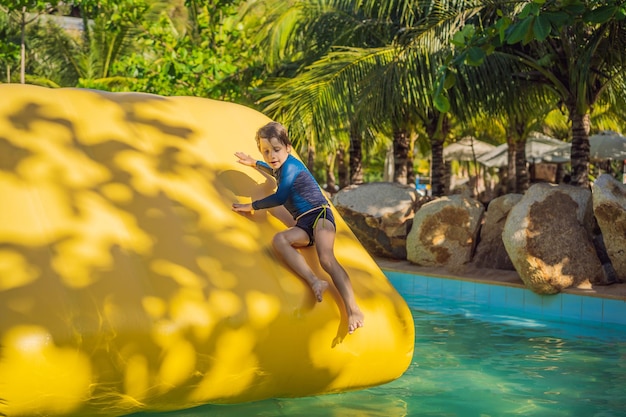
<point>466,149</point>
<point>537,144</point>
<point>558,155</point>
<point>607,145</point>
<point>602,146</point>
<point>495,158</point>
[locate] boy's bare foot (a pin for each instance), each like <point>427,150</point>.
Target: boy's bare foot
<point>355,320</point>
<point>318,288</point>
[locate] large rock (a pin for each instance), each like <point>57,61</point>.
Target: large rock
<point>490,251</point>
<point>548,236</point>
<point>609,207</point>
<point>379,214</point>
<point>444,232</point>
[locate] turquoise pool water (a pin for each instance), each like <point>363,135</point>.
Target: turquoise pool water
<point>474,359</point>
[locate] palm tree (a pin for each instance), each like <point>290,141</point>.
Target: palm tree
<point>298,38</point>
<point>575,50</point>
<point>521,109</point>
<point>322,115</point>
<point>385,86</point>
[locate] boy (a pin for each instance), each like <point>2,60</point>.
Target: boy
<point>315,225</point>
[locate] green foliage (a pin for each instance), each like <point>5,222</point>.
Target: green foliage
<point>213,58</point>
<point>446,79</point>
<point>28,5</point>
<point>574,49</point>
<point>570,24</point>
<point>164,47</point>
<point>15,17</point>
<point>322,66</point>
<point>46,40</point>
<point>604,13</point>
<point>10,48</point>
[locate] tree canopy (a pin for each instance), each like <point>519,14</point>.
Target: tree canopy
<point>344,74</point>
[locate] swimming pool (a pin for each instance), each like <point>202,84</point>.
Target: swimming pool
<point>478,355</point>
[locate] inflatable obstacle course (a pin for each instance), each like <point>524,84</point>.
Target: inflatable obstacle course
<point>127,283</point>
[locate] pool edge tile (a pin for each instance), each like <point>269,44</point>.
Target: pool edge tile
<point>562,306</point>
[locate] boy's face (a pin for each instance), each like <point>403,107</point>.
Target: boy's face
<point>274,152</point>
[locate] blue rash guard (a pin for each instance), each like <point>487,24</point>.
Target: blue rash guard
<point>297,189</point>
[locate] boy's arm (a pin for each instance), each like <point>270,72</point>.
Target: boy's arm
<point>243,208</point>
<point>264,168</point>
<point>287,179</point>
<point>247,160</point>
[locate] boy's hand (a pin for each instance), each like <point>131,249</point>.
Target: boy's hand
<point>242,208</point>
<point>245,159</point>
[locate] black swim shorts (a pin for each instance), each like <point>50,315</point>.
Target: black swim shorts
<point>308,221</point>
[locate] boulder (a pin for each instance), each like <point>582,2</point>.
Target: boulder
<point>490,251</point>
<point>444,232</point>
<point>609,208</point>
<point>548,236</point>
<point>379,214</point>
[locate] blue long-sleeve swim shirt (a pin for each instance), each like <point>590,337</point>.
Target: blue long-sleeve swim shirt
<point>297,189</point>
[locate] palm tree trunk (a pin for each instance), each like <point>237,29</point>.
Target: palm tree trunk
<point>437,129</point>
<point>580,148</point>
<point>331,181</point>
<point>438,168</point>
<point>410,171</point>
<point>356,155</point>
<point>342,169</point>
<point>310,163</point>
<point>560,174</point>
<point>510,168</point>
<point>401,145</point>
<point>521,172</point>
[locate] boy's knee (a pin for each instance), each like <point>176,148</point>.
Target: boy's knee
<point>328,263</point>
<point>278,241</point>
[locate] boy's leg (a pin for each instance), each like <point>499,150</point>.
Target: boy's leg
<point>324,242</point>
<point>285,243</point>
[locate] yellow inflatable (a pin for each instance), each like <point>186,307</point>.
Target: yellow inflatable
<point>127,283</point>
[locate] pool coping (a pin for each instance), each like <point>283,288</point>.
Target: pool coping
<point>495,277</point>
<point>499,289</point>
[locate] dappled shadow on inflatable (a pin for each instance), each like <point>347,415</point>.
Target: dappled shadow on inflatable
<point>127,283</point>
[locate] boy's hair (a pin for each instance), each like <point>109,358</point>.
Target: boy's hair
<point>273,130</point>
